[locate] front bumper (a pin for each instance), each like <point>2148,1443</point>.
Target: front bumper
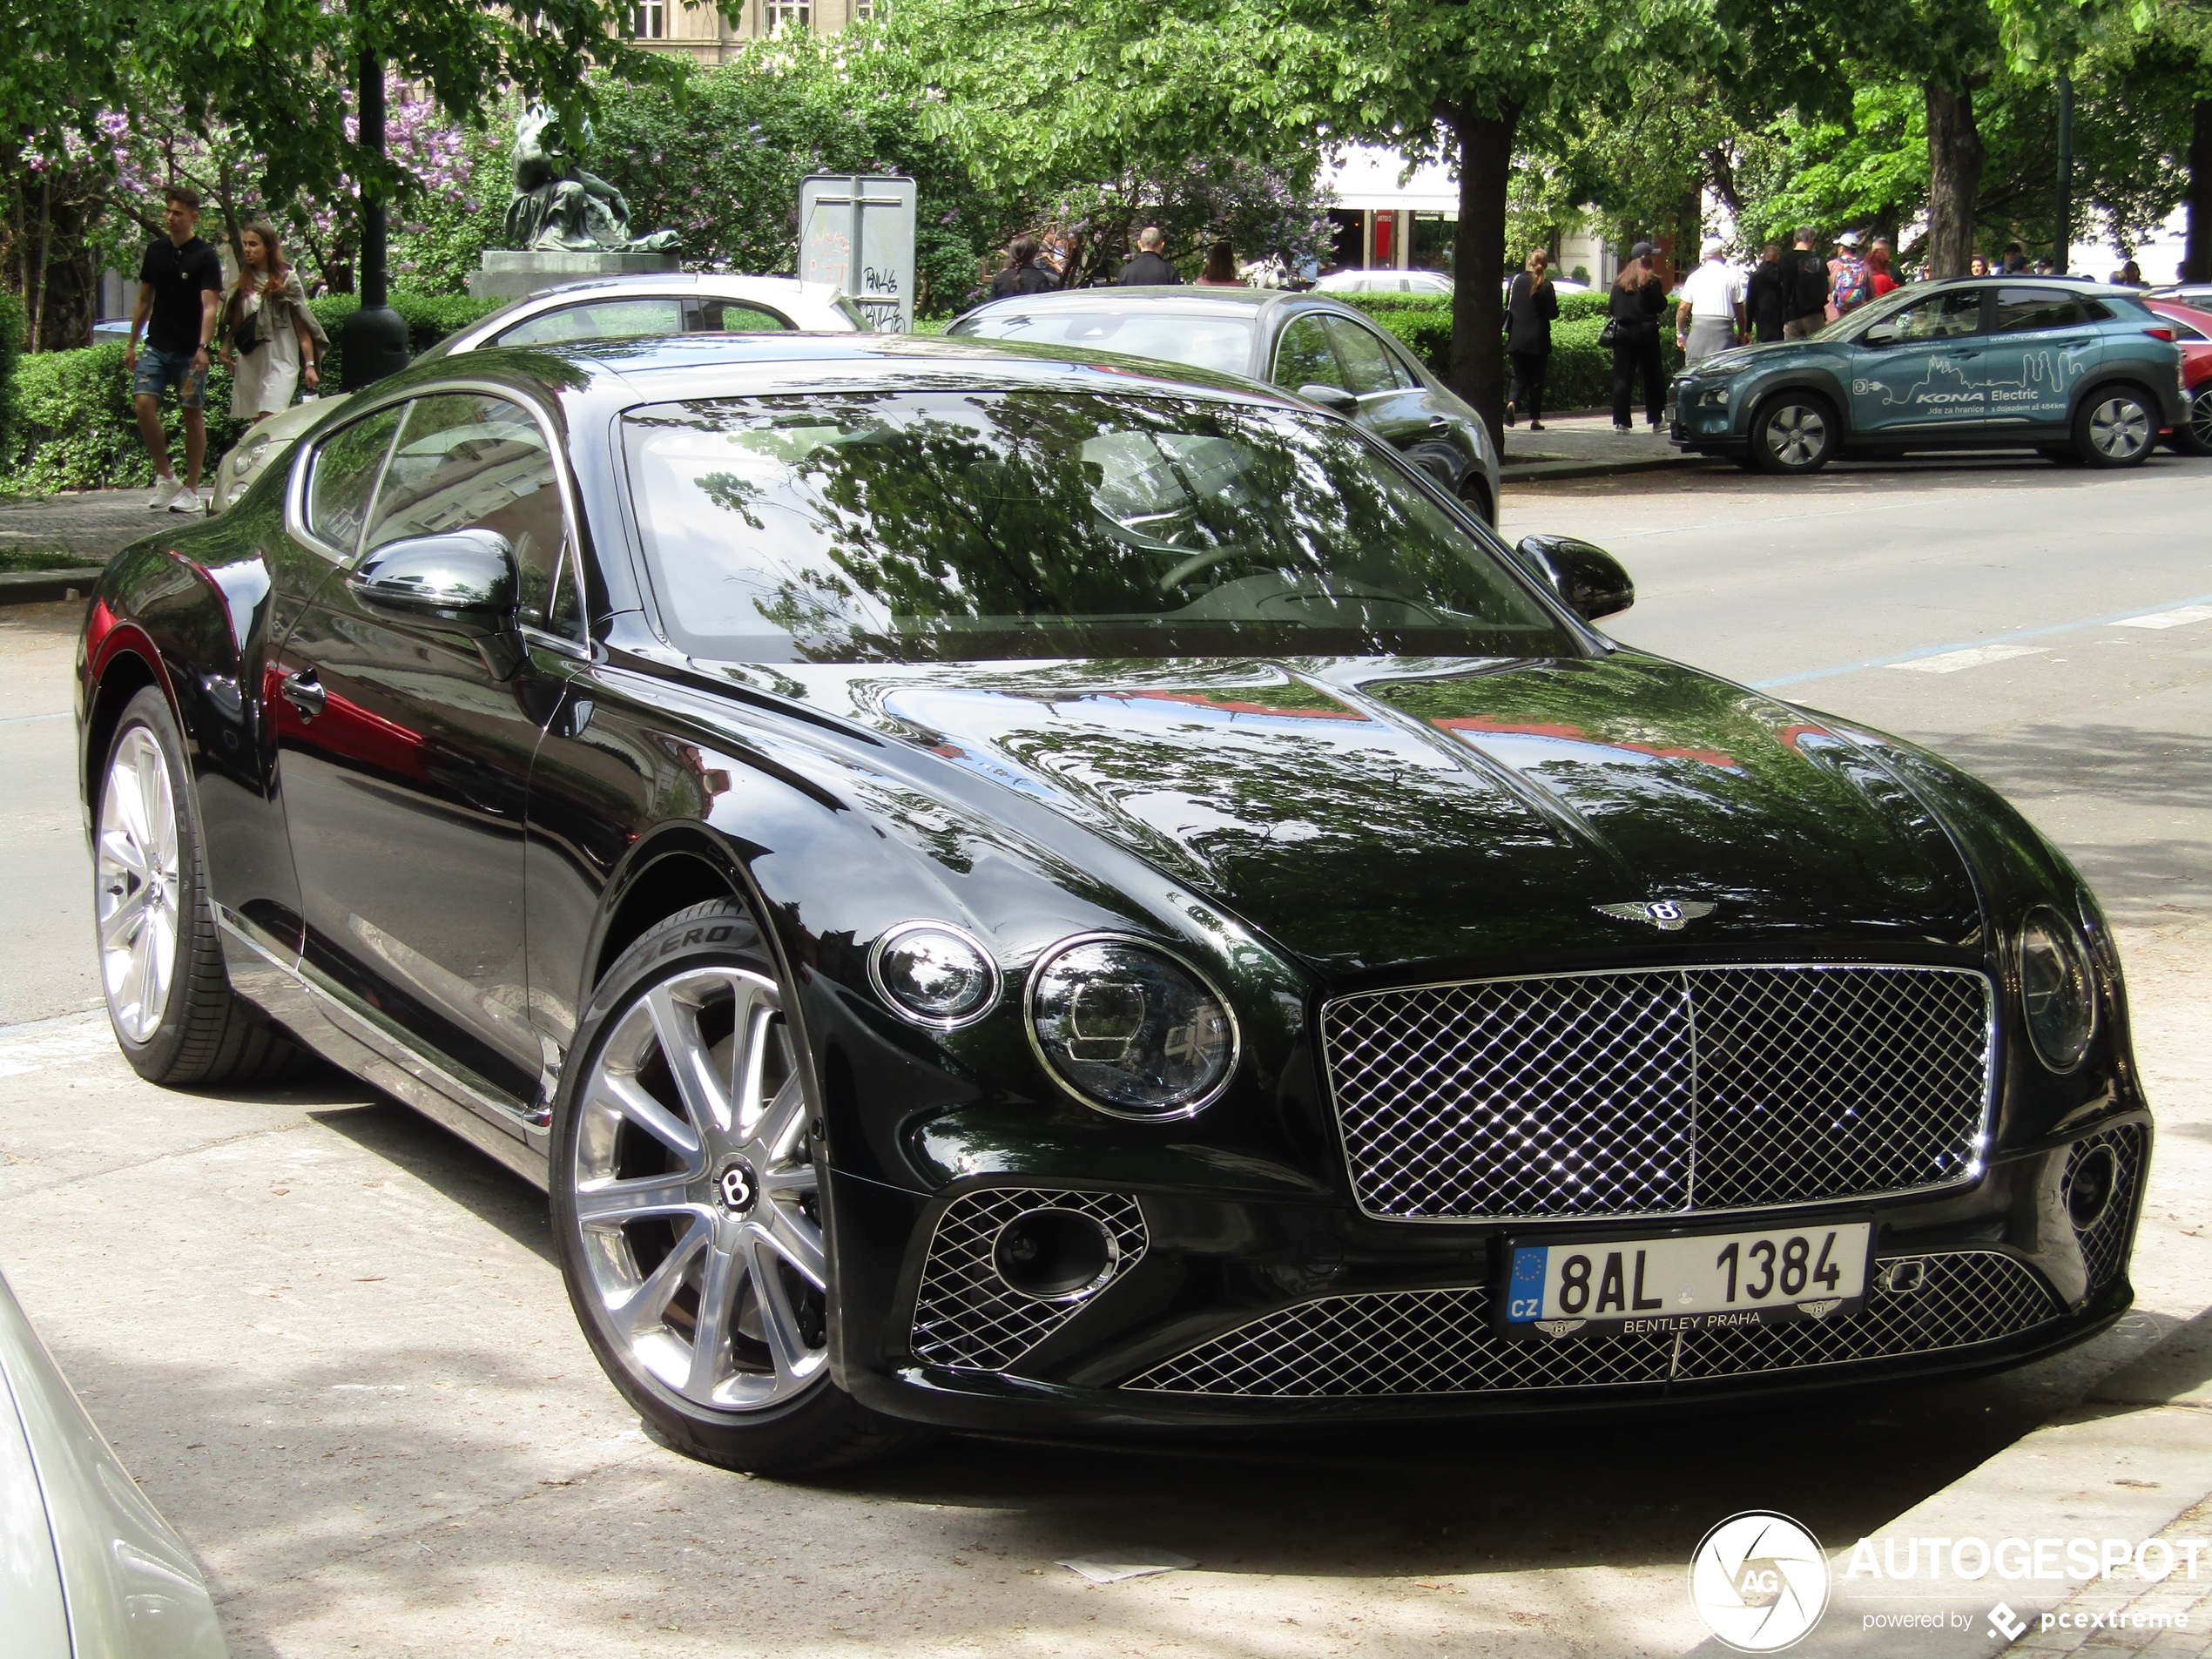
<point>1222,1311</point>
<point>1702,429</point>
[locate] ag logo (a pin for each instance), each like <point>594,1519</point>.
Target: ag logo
<point>1667,916</point>
<point>1759,1580</point>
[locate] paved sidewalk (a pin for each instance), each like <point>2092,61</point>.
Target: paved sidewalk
<point>1585,445</point>
<point>93,524</point>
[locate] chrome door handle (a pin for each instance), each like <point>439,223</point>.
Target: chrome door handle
<point>304,692</point>
<point>1437,423</point>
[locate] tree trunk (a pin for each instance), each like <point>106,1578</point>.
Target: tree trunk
<point>1955,178</point>
<point>1479,262</point>
<point>2197,263</point>
<point>45,259</point>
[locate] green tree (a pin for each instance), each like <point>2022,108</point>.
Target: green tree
<point>1104,86</point>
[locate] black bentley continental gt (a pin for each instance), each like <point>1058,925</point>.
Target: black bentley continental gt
<point>1002,889</point>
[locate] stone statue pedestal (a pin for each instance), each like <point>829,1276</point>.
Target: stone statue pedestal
<point>510,275</point>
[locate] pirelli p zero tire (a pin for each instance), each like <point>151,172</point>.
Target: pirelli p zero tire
<point>1794,433</point>
<point>174,1015</point>
<point>687,1208</point>
<point>2116,426</point>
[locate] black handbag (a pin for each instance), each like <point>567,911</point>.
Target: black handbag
<point>1609,336</point>
<point>247,336</point>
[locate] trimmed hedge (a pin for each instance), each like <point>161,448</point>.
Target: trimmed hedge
<point>74,429</point>
<point>1581,370</point>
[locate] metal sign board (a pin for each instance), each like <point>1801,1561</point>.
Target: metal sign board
<point>858,232</point>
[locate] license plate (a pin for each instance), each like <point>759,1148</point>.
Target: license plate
<point>1657,1286</point>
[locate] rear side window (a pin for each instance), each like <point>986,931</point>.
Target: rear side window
<point>1303,357</point>
<point>599,320</point>
<point>735,317</point>
<point>1220,340</point>
<point>342,478</point>
<point>2023,310</point>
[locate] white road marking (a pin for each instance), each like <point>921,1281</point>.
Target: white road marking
<point>2180,619</point>
<point>1951,661</point>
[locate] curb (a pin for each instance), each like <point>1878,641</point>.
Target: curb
<point>39,587</point>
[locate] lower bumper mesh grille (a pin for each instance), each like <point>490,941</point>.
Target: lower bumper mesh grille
<point>2104,1245</point>
<point>966,1317</point>
<point>1439,1342</point>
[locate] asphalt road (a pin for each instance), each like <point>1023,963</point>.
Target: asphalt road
<point>331,1343</point>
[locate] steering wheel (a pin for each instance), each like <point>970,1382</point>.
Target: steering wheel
<point>1197,562</point>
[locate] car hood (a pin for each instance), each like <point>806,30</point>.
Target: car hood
<point>1369,814</point>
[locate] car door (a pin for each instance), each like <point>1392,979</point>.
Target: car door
<point>405,746</point>
<point>2040,346</point>
<point>1920,370</point>
<point>1392,404</point>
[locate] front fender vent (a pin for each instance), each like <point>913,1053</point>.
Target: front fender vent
<point>968,1319</point>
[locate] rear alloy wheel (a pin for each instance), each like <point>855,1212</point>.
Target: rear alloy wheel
<point>2194,436</point>
<point>1793,434</point>
<point>688,1206</point>
<point>170,1002</point>
<point>2115,427</point>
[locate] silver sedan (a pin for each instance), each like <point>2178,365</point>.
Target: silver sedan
<point>606,308</point>
<point>87,1565</point>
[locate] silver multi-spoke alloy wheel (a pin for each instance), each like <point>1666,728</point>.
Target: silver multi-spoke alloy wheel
<point>2201,419</point>
<point>2121,428</point>
<point>696,1198</point>
<point>136,889</point>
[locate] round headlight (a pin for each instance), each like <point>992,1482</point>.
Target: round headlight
<point>2058,992</point>
<point>934,974</point>
<point>1129,1029</point>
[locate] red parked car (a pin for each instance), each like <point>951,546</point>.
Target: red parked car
<point>2193,331</point>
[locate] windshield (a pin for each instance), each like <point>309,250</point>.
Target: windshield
<point>1220,340</point>
<point>950,526</point>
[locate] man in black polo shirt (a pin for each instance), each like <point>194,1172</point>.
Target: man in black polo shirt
<point>180,287</point>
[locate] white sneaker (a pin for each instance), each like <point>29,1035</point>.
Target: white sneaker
<point>189,501</point>
<point>166,488</point>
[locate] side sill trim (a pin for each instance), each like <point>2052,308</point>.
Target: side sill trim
<point>520,1138</point>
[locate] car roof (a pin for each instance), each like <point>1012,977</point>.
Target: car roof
<point>680,367</point>
<point>1178,296</point>
<point>711,282</point>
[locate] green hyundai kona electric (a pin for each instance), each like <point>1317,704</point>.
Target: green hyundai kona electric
<point>2081,373</point>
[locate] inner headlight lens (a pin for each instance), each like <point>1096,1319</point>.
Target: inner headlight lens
<point>934,974</point>
<point>2058,992</point>
<point>1129,1029</point>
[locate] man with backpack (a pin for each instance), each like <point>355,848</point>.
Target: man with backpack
<point>1805,284</point>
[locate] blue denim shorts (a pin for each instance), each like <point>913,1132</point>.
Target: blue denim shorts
<point>159,370</point>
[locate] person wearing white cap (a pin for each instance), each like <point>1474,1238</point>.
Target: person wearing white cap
<point>1845,273</point>
<point>1710,317</point>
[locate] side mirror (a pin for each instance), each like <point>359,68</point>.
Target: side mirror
<point>1880,335</point>
<point>1331,397</point>
<point>463,576</point>
<point>1588,579</point>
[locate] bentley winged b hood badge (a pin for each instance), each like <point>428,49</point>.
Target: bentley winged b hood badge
<point>1667,916</point>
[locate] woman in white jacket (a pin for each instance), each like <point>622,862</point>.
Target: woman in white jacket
<point>270,341</point>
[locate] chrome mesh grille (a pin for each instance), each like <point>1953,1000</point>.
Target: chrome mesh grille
<point>1659,1093</point>
<point>2104,1245</point>
<point>966,1319</point>
<point>1439,1342</point>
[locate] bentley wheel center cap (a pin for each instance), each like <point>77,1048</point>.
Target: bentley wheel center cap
<point>738,1186</point>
